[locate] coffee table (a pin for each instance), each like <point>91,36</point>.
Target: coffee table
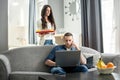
<point>93,75</point>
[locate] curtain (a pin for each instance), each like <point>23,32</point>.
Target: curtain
<point>117,25</point>
<point>32,23</point>
<point>91,24</point>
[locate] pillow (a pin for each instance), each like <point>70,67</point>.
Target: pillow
<point>95,57</point>
<point>90,62</point>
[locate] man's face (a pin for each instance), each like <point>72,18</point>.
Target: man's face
<point>68,40</point>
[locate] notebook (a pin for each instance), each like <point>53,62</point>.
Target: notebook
<point>67,58</point>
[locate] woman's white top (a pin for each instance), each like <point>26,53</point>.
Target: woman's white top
<point>47,36</point>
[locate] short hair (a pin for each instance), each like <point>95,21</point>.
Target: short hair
<point>68,34</point>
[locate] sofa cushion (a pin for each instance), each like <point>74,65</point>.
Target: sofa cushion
<point>28,58</point>
<point>90,62</point>
<point>95,58</point>
<point>87,52</point>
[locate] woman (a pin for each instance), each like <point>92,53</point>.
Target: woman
<point>47,23</point>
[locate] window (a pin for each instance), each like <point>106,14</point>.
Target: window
<point>18,22</point>
<point>108,26</point>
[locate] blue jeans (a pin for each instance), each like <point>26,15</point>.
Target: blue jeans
<point>58,70</point>
<point>61,71</point>
<point>48,42</point>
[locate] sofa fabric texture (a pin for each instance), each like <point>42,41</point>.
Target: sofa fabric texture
<point>27,63</point>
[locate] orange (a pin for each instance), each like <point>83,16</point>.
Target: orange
<point>110,65</point>
<point>104,66</point>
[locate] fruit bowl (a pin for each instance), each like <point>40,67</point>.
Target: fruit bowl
<point>106,70</point>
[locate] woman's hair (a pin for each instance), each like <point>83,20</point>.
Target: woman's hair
<point>50,17</point>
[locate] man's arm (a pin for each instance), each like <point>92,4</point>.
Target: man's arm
<point>75,46</point>
<point>82,59</point>
<point>49,62</point>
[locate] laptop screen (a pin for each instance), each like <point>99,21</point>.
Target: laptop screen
<point>67,58</point>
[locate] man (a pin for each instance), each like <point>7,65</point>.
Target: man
<point>69,45</point>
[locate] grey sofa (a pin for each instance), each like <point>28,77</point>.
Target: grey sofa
<point>27,63</point>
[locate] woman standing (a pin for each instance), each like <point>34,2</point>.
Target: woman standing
<point>47,23</point>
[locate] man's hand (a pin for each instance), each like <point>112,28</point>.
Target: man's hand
<point>50,63</point>
<point>73,44</point>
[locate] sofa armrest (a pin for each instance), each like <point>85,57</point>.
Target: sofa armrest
<point>115,58</point>
<point>116,61</point>
<point>108,57</point>
<point>5,68</point>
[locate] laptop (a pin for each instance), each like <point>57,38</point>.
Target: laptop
<point>67,58</point>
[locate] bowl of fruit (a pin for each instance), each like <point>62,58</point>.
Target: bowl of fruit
<point>105,68</point>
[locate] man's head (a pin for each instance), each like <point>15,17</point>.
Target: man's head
<point>68,39</point>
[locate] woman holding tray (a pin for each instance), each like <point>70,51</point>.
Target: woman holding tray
<point>45,24</point>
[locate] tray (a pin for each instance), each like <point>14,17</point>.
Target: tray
<point>44,31</point>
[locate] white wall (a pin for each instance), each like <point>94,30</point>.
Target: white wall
<point>73,26</point>
<point>65,20</point>
<point>58,11</point>
<point>3,25</point>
